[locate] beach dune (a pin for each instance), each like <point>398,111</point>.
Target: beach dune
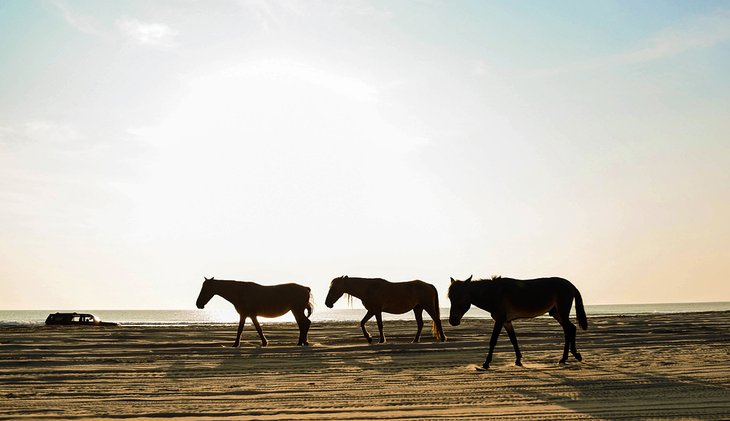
<point>648,366</point>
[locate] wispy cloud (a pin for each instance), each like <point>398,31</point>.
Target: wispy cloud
<point>47,133</point>
<point>700,32</point>
<point>271,15</point>
<point>83,23</point>
<point>155,35</point>
<point>148,34</point>
<point>264,14</point>
<point>8,135</point>
<point>350,87</point>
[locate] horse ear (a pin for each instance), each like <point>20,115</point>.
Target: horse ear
<point>469,279</point>
<point>453,280</point>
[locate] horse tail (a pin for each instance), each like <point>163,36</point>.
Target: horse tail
<point>434,327</point>
<point>580,312</point>
<point>310,303</point>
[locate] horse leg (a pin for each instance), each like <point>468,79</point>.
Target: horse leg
<point>255,321</point>
<point>369,315</point>
<point>241,322</point>
<point>439,333</point>
<point>566,347</point>
<point>418,312</point>
<point>493,341</point>
<point>573,350</point>
<point>556,315</point>
<point>562,315</point>
<point>379,319</point>
<point>303,322</point>
<point>570,333</point>
<point>572,330</point>
<point>513,338</point>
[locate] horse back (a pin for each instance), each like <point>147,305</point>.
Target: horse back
<point>272,300</point>
<point>546,285</point>
<point>286,292</point>
<point>519,298</point>
<point>401,297</point>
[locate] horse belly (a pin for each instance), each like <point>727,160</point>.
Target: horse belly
<point>272,313</point>
<point>399,300</point>
<point>397,309</point>
<point>528,311</point>
<point>272,310</point>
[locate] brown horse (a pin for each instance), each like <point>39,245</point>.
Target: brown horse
<point>251,300</point>
<point>509,299</point>
<point>379,295</point>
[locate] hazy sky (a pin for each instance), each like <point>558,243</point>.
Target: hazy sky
<point>144,145</point>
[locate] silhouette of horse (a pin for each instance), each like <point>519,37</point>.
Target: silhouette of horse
<point>251,300</point>
<point>379,295</point>
<point>509,299</point>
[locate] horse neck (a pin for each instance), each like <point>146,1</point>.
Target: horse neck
<point>483,294</point>
<point>227,290</point>
<point>356,287</point>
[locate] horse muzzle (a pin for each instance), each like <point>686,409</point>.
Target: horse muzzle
<point>200,306</point>
<point>453,322</point>
<point>329,305</point>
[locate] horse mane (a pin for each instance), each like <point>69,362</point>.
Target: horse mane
<point>349,297</point>
<point>448,292</point>
<point>492,278</point>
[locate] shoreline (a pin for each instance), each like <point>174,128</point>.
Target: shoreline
<point>142,318</point>
<point>640,366</point>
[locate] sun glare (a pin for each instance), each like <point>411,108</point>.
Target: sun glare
<point>280,146</point>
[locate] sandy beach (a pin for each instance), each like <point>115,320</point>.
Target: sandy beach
<point>649,366</point>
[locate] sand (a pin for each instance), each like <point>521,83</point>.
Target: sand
<point>649,367</point>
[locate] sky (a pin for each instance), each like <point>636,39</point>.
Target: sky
<point>145,145</point>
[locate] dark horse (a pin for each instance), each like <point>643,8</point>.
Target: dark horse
<point>379,295</point>
<point>251,299</point>
<point>509,299</point>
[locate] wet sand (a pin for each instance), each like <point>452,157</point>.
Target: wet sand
<point>648,367</point>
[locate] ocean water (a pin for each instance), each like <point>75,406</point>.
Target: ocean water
<point>207,317</point>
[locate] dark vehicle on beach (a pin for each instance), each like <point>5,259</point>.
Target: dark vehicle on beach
<point>81,319</point>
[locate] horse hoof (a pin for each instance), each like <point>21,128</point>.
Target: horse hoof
<point>578,357</point>
<point>485,366</point>
<point>518,363</point>
<point>370,340</point>
<point>561,362</point>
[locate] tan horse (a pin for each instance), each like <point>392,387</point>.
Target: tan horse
<point>251,300</point>
<point>508,299</point>
<point>379,295</point>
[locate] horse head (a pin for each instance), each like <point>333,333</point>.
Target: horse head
<point>336,290</point>
<point>460,300</point>
<point>206,293</point>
